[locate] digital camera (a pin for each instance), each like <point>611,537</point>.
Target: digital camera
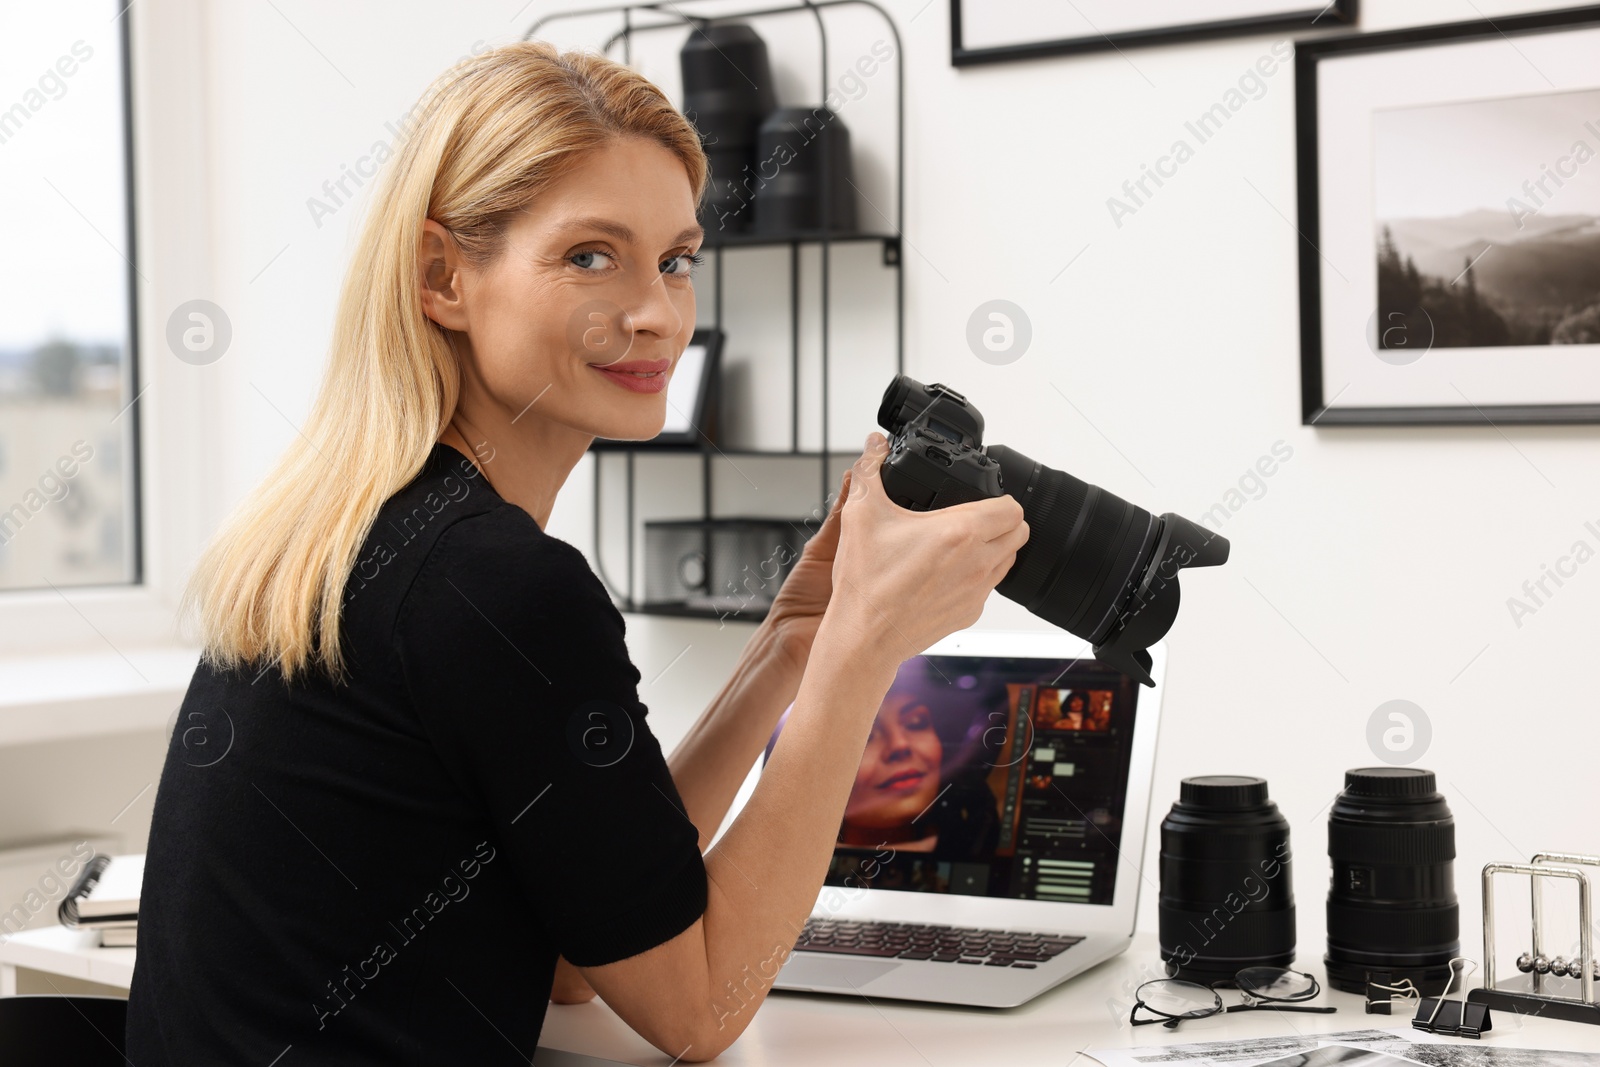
<point>1094,565</point>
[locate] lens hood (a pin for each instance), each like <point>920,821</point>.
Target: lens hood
<point>1153,604</point>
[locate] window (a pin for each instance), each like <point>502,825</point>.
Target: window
<point>68,426</point>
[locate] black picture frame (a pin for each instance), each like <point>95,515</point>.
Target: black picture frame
<point>1297,16</point>
<point>701,431</point>
<point>1316,409</point>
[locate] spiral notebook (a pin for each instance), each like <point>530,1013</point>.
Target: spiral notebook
<point>106,894</point>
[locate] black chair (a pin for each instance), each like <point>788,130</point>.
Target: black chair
<point>83,1031</point>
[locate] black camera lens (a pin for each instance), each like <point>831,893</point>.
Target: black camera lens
<point>1096,565</point>
<point>808,148</point>
<point>1083,544</point>
<point>727,91</point>
<point>1227,899</point>
<point>727,85</point>
<point>1392,902</point>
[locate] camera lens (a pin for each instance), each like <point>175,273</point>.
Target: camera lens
<point>1096,565</point>
<point>1392,902</point>
<point>727,91</point>
<point>812,145</point>
<point>727,84</point>
<point>1071,572</point>
<point>1227,899</point>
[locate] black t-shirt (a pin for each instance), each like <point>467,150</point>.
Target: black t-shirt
<point>384,871</point>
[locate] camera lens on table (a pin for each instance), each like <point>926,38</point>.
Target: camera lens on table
<point>1227,899</point>
<point>1392,902</point>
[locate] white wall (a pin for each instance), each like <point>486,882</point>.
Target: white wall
<point>1375,566</point>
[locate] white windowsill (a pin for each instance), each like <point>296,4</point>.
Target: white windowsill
<point>53,698</point>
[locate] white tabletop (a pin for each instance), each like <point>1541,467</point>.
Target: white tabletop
<point>72,953</point>
<point>1090,1011</point>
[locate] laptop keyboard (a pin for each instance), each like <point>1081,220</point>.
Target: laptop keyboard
<point>928,941</point>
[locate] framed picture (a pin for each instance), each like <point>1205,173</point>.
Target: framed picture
<point>692,397</point>
<point>994,31</point>
<point>1449,198</point>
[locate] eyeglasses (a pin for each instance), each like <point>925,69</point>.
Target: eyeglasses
<point>1172,1000</point>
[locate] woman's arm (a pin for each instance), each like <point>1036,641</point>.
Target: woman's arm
<point>711,762</point>
<point>693,995</point>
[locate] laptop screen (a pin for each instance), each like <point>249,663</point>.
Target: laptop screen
<point>991,776</point>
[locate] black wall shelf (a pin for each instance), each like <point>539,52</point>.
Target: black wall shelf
<point>650,17</point>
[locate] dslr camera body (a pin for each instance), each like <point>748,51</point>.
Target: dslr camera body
<point>1094,565</point>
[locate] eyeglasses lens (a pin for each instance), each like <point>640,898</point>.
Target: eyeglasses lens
<point>1274,983</point>
<point>1173,997</point>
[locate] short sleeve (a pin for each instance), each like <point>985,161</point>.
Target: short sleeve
<point>516,660</point>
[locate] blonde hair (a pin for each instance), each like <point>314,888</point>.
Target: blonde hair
<point>487,136</point>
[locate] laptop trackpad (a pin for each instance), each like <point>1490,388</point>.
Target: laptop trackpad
<point>821,972</point>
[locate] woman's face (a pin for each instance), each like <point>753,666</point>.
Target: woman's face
<point>581,319</point>
<point>1049,703</point>
<point>899,773</point>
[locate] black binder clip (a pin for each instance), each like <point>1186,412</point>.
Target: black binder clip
<point>1454,1018</point>
<point>1383,991</point>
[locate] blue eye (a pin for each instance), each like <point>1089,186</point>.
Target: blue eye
<point>585,260</point>
<point>686,263</point>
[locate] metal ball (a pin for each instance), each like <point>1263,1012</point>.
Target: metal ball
<point>1541,964</point>
<point>1558,967</point>
<point>1525,963</point>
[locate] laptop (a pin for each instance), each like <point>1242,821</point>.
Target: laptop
<point>992,843</point>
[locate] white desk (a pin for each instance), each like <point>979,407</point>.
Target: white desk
<point>808,1028</point>
<point>70,953</point>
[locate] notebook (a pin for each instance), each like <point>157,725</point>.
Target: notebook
<point>106,893</point>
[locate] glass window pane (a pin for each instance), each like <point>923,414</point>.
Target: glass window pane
<point>67,486</point>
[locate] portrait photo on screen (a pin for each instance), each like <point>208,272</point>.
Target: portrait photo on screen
<point>991,777</point>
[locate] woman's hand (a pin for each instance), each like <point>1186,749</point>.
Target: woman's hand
<point>797,610</point>
<point>904,579</point>
<point>569,986</point>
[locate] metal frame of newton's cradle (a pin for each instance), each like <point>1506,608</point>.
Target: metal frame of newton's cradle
<point>1537,1000</point>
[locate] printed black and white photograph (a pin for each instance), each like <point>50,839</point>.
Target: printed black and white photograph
<point>1347,1048</point>
<point>1246,1052</point>
<point>1339,1056</point>
<point>1488,222</point>
<point>1435,1055</point>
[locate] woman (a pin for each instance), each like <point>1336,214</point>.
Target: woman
<point>905,799</point>
<point>439,802</point>
<point>897,780</point>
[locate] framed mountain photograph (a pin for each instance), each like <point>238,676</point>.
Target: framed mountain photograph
<point>995,31</point>
<point>1449,192</point>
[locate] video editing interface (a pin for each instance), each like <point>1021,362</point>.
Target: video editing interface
<point>992,777</point>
